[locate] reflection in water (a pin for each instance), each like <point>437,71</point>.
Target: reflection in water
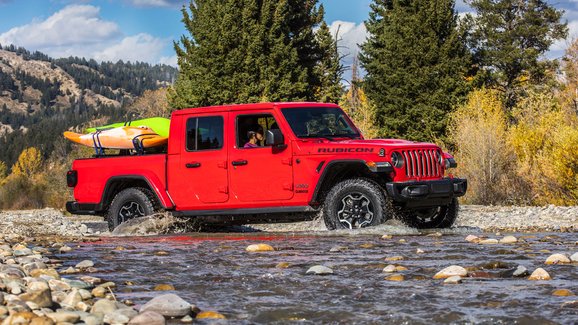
<point>215,272</point>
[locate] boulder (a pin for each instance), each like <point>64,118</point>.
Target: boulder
<point>319,270</point>
<point>42,298</point>
<point>148,318</point>
<point>451,271</point>
<point>539,274</point>
<point>169,305</point>
<point>259,248</point>
<point>557,259</point>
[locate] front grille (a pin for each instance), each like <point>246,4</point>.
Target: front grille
<point>422,163</point>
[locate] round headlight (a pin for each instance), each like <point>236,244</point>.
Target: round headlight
<point>397,159</point>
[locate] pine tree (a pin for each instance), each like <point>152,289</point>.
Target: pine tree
<point>509,37</point>
<point>247,51</point>
<point>329,69</point>
<point>416,62</point>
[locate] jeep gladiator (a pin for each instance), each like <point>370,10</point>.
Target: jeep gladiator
<point>306,158</point>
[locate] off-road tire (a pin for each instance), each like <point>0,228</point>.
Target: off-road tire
<point>131,203</point>
<point>360,190</point>
<point>440,217</point>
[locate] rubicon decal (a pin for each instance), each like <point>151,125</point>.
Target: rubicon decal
<point>356,150</point>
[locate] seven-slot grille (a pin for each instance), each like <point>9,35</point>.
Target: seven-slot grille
<point>422,163</point>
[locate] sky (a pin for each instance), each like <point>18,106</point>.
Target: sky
<point>144,30</point>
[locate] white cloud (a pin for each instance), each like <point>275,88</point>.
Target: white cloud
<point>349,37</point>
<point>73,25</point>
<point>169,60</point>
<point>158,3</point>
<point>141,47</point>
<point>78,30</point>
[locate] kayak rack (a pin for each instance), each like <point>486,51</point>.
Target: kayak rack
<point>98,148</point>
<point>137,143</point>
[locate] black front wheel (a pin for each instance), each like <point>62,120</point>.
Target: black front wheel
<point>128,204</point>
<point>437,217</point>
<point>355,203</point>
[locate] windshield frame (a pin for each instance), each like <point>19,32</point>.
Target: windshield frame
<point>356,134</point>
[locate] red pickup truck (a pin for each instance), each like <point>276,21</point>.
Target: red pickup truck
<point>271,162</point>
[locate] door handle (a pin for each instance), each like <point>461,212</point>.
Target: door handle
<point>193,165</point>
<point>239,162</point>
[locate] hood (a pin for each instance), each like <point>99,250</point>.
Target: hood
<point>327,147</point>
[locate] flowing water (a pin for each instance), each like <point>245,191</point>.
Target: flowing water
<point>214,272</point>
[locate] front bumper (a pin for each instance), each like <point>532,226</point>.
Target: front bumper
<point>426,193</point>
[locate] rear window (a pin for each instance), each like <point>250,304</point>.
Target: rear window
<point>205,133</point>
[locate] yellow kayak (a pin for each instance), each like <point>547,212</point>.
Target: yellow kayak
<point>124,137</point>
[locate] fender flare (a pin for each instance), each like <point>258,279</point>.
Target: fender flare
<point>326,172</point>
<point>108,195</point>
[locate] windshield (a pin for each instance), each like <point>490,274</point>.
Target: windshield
<point>320,122</point>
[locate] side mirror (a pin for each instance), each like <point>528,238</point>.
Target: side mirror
<point>275,138</point>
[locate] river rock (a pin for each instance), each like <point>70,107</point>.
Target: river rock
<point>72,299</point>
<point>42,298</point>
<point>508,240</point>
<point>557,259</point>
<point>319,270</point>
<point>389,269</point>
<point>164,287</point>
<point>148,318</point>
<point>63,316</point>
<point>489,241</point>
<point>91,280</point>
<point>103,307</point>
<point>46,272</point>
<point>520,271</point>
<point>395,278</point>
<point>169,305</point>
<point>22,252</point>
<point>472,238</point>
<point>210,315</point>
<point>41,321</point>
<point>282,265</point>
<point>23,317</point>
<point>335,249</point>
<point>456,279</point>
<point>574,257</point>
<point>120,316</point>
<point>85,264</point>
<point>65,249</point>
<point>394,258</point>
<point>99,292</point>
<point>540,274</point>
<point>562,293</point>
<point>419,251</point>
<point>259,248</point>
<point>57,285</point>
<point>451,271</point>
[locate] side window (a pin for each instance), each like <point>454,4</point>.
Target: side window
<point>204,133</point>
<point>252,130</point>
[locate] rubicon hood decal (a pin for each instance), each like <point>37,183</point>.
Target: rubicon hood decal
<point>341,150</point>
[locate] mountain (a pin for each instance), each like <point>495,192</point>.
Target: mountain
<point>40,97</point>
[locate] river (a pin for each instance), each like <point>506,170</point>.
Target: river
<point>214,272</point>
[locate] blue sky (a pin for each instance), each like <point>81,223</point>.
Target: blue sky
<point>143,30</point>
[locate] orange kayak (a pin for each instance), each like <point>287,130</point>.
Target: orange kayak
<point>123,137</point>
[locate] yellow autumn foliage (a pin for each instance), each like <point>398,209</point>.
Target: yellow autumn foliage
<point>29,163</point>
<point>361,111</point>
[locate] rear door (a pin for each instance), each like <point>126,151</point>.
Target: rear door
<point>261,173</point>
<point>201,176</point>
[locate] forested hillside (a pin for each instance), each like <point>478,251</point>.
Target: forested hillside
<point>40,97</point>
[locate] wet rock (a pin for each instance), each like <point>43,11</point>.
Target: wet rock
<point>72,299</point>
<point>419,251</point>
<point>400,268</point>
<point>508,240</point>
<point>489,241</point>
<point>120,316</point>
<point>335,249</point>
<point>108,284</point>
<point>456,279</point>
<point>562,293</point>
<point>65,249</point>
<point>367,245</point>
<point>386,237</point>
<point>259,248</point>
<point>148,318</point>
<point>282,265</point>
<point>319,270</point>
<point>163,287</point>
<point>161,253</point>
<point>42,298</point>
<point>472,238</point>
<point>574,257</point>
<point>46,272</point>
<point>148,225</point>
<point>64,317</point>
<point>169,305</point>
<point>187,319</point>
<point>210,315</point>
<point>481,275</point>
<point>451,271</point>
<point>91,280</point>
<point>85,264</point>
<point>395,278</point>
<point>520,271</point>
<point>539,274</point>
<point>557,259</point>
<point>70,270</point>
<point>570,304</point>
<point>103,307</point>
<point>389,269</point>
<point>394,258</point>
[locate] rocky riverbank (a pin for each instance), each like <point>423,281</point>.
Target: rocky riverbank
<point>52,223</point>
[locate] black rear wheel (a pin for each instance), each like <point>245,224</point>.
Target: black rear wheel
<point>355,203</point>
<point>130,203</point>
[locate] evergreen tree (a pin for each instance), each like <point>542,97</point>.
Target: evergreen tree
<point>509,37</point>
<point>247,51</point>
<point>329,69</point>
<point>416,62</point>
